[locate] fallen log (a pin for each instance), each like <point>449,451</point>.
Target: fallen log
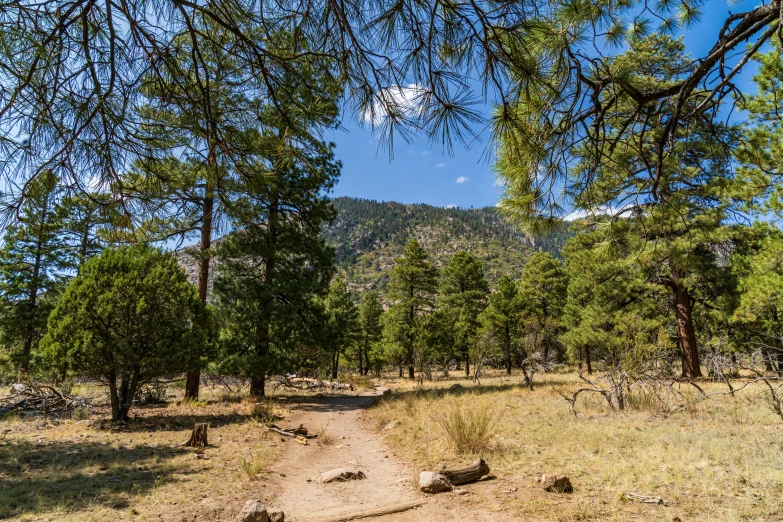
<point>646,499</point>
<point>299,432</point>
<point>470,473</point>
<point>376,512</point>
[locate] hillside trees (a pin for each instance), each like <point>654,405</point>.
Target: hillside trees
<point>463,295</point>
<point>34,261</point>
<point>130,317</point>
<point>412,290</point>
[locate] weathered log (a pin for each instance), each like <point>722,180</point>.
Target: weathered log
<point>646,499</point>
<point>292,434</point>
<point>198,437</point>
<point>376,512</point>
<point>470,473</point>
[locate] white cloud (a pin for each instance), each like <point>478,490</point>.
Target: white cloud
<point>440,165</point>
<point>425,153</point>
<point>451,206</point>
<point>462,179</point>
<point>406,100</point>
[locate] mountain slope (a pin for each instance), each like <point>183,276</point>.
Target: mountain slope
<point>368,235</point>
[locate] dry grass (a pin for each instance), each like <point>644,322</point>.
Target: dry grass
<point>90,470</point>
<point>720,459</point>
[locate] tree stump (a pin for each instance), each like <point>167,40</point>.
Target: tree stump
<point>198,438</point>
<point>467,474</point>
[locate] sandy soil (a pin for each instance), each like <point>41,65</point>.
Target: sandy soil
<point>389,480</point>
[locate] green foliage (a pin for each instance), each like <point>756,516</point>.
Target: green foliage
<point>463,296</point>
<point>34,262</point>
<point>412,290</point>
<point>341,326</point>
<point>501,321</point>
<point>370,334</point>
<point>128,318</point>
<point>268,275</point>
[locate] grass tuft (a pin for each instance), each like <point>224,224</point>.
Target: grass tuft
<point>469,428</point>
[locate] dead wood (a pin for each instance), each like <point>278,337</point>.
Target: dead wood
<point>470,473</point>
<point>303,383</point>
<point>198,437</point>
<point>37,399</point>
<point>646,499</point>
<point>376,512</point>
<point>301,431</point>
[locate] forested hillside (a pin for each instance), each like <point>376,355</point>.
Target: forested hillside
<point>368,235</point>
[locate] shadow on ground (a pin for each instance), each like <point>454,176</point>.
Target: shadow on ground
<point>38,478</point>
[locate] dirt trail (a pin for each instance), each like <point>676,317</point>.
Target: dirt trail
<point>389,481</point>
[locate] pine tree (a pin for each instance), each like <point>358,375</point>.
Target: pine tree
<point>34,263</point>
<point>341,323</point>
<point>463,293</point>
<point>269,273</point>
<point>503,319</point>
<point>371,330</point>
<point>412,289</point>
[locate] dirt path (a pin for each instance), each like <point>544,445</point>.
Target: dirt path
<point>389,481</point>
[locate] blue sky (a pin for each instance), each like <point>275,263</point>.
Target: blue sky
<point>425,173</point>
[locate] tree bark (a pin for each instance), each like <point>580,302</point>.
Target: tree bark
<point>471,473</point>
<point>400,371</point>
<point>467,367</point>
<point>198,437</point>
<point>587,361</point>
<point>686,334</point>
<point>193,378</point>
<point>411,373</point>
<point>257,385</point>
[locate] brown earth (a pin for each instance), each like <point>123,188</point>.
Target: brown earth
<point>347,440</point>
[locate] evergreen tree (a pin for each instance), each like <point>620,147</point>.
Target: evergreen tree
<point>269,272</point>
<point>542,294</point>
<point>463,293</point>
<point>34,262</point>
<point>503,320</point>
<point>412,290</point>
<point>370,330</point>
<point>131,316</point>
<point>341,323</point>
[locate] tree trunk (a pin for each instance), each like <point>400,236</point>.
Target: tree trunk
<point>587,361</point>
<point>685,331</point>
<point>508,364</point>
<point>257,385</point>
<point>400,371</point>
<point>198,437</point>
<point>335,364</point>
<point>115,401</point>
<point>361,359</point>
<point>467,367</point>
<point>411,372</point>
<point>194,376</point>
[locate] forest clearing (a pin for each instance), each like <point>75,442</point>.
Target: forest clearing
<point>717,459</point>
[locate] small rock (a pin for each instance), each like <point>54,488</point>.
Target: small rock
<point>341,475</point>
<point>431,482</point>
<point>387,391</point>
<point>276,515</point>
<point>460,492</point>
<point>456,387</point>
<point>393,424</point>
<point>556,484</point>
<point>254,511</point>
